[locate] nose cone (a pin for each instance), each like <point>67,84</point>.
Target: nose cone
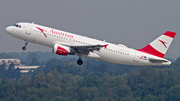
<point>8,30</point>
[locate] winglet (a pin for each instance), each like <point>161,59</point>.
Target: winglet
<point>105,46</point>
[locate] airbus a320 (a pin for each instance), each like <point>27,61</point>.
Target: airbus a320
<point>65,43</point>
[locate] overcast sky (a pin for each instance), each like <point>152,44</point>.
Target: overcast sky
<point>134,23</point>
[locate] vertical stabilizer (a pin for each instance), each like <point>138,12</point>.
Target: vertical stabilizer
<point>160,45</point>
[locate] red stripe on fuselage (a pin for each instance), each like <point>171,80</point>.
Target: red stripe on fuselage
<point>150,50</point>
<point>170,34</point>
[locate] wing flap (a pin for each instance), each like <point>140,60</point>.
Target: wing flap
<point>88,48</point>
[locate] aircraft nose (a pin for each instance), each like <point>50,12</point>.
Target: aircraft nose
<point>8,29</point>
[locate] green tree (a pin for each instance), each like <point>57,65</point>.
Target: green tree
<point>177,63</point>
<point>50,79</point>
<point>13,98</point>
<point>25,82</point>
<point>88,93</point>
<point>33,98</point>
<point>4,81</point>
<point>145,80</point>
<point>173,93</point>
<point>4,56</point>
<point>11,67</point>
<point>39,80</point>
<point>59,98</point>
<point>148,97</point>
<point>137,99</point>
<point>34,61</point>
<point>53,63</point>
<point>9,89</point>
<point>120,89</point>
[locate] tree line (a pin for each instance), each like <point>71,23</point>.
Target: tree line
<point>64,80</point>
<point>141,84</point>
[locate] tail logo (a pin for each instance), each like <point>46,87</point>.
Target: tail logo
<point>164,43</point>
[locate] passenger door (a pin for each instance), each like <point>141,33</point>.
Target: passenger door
<point>136,57</point>
<point>28,29</point>
<point>29,32</point>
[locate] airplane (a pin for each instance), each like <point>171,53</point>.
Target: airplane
<point>65,43</point>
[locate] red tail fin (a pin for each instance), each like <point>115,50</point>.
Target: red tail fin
<point>160,45</point>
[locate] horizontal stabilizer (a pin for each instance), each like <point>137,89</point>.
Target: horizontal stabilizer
<point>158,60</point>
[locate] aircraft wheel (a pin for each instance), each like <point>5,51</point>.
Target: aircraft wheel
<point>24,48</point>
<point>79,62</point>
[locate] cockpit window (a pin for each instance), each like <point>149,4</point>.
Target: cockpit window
<point>16,25</point>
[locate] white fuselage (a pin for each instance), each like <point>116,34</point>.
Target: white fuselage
<point>119,54</point>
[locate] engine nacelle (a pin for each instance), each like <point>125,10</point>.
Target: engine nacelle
<point>61,50</point>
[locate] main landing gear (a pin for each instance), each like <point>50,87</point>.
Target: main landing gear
<point>79,61</point>
<point>24,47</point>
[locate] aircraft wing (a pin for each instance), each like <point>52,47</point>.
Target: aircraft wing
<point>85,49</point>
<point>82,49</point>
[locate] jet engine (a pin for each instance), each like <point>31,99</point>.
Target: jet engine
<point>61,50</point>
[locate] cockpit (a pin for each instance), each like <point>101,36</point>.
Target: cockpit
<point>16,25</point>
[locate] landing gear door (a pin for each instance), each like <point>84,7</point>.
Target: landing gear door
<point>136,57</point>
<point>28,29</point>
